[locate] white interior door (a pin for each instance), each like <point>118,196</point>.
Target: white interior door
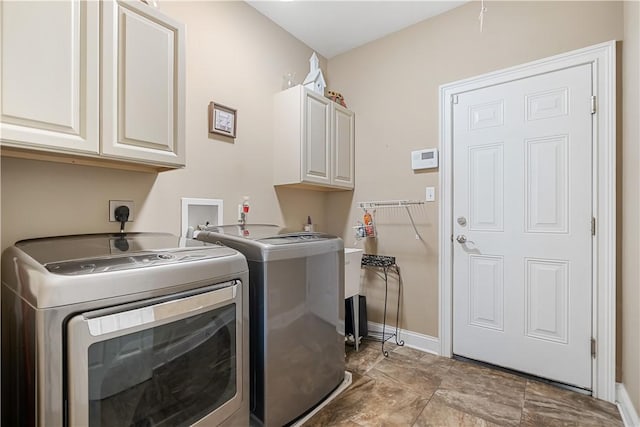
<point>522,281</point>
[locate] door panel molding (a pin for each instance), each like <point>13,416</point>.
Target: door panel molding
<point>547,281</point>
<point>602,58</point>
<point>486,308</point>
<point>486,194</point>
<point>547,196</point>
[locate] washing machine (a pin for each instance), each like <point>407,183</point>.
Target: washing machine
<point>296,315</point>
<point>124,329</point>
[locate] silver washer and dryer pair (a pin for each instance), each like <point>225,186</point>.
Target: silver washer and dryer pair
<point>296,314</point>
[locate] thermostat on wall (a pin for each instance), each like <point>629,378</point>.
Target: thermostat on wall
<point>424,159</point>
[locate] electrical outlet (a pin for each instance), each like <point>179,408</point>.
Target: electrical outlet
<point>113,204</point>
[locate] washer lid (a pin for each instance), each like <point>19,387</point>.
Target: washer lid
<point>249,231</point>
<point>95,253</point>
<point>266,233</point>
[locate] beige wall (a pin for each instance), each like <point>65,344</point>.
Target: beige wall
<point>628,206</point>
<point>236,57</point>
<point>392,85</point>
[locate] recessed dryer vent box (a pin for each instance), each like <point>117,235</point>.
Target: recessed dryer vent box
<point>199,212</point>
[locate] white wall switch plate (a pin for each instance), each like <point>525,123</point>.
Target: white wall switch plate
<point>113,204</point>
<point>430,194</point>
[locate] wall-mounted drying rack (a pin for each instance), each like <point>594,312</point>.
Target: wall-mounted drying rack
<point>394,204</point>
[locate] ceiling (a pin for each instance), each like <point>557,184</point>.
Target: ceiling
<point>334,27</point>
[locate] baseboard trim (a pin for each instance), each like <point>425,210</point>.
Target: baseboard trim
<point>411,339</point>
<point>626,408</point>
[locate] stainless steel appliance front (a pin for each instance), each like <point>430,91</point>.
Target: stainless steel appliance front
<point>155,364</point>
<point>296,315</point>
<point>151,331</point>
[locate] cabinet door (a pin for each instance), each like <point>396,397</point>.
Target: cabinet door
<point>49,75</point>
<point>142,84</point>
<point>316,138</point>
<point>343,147</point>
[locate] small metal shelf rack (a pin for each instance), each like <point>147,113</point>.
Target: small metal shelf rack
<point>386,264</point>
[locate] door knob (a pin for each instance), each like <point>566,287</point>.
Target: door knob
<point>461,238</point>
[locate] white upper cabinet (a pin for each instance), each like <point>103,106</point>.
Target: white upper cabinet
<point>143,84</point>
<point>343,147</point>
<point>313,141</point>
<point>316,138</point>
<point>95,80</point>
<point>49,75</point>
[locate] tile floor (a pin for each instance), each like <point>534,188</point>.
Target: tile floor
<point>412,388</point>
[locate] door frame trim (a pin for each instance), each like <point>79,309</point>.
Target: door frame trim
<point>603,58</point>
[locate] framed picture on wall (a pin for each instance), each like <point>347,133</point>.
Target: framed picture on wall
<point>222,120</point>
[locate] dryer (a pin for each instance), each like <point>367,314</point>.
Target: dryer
<point>124,329</point>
